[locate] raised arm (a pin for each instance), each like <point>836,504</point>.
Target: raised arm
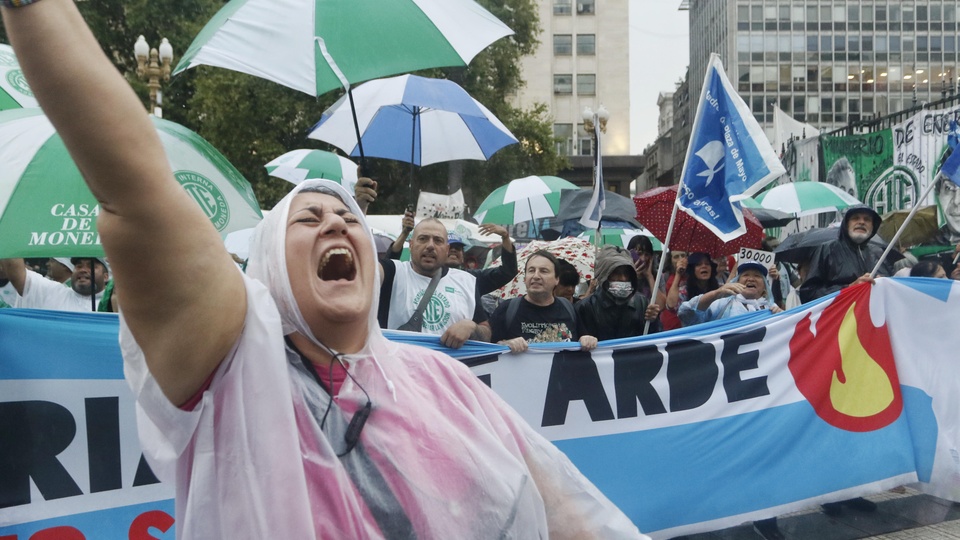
<point>16,272</point>
<point>182,295</point>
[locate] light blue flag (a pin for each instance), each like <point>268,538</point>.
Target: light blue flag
<point>728,158</point>
<point>593,213</point>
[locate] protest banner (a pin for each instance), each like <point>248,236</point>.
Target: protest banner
<point>862,165</point>
<point>920,143</point>
<point>688,431</point>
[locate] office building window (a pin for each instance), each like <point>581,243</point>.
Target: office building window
<point>586,44</point>
<point>564,135</point>
<point>586,7</point>
<point>562,44</point>
<point>586,84</point>
<point>562,7</point>
<point>563,84</point>
<point>584,141</point>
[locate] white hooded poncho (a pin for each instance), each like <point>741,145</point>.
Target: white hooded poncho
<point>441,456</point>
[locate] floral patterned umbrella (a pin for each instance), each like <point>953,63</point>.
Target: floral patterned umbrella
<point>576,251</point>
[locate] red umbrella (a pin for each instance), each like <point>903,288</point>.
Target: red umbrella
<point>653,212</point>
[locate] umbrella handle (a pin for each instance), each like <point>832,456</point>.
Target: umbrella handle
<point>356,128</point>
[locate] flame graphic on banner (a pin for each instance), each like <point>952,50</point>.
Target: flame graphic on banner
<point>847,371</point>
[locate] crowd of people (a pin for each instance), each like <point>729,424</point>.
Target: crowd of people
<point>270,399</point>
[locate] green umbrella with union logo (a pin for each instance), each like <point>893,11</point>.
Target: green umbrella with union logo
<point>46,209</point>
<point>14,91</point>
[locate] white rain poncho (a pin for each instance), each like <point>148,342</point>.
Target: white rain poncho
<point>441,456</point>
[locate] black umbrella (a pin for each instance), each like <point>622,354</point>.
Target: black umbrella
<point>798,247</point>
<point>772,218</point>
<point>573,202</point>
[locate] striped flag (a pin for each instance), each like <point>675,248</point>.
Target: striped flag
<point>593,213</point>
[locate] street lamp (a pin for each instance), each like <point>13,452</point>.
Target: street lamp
<point>152,66</point>
<point>590,121</point>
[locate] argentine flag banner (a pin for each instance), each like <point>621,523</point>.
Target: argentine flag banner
<point>728,158</point>
<point>687,431</point>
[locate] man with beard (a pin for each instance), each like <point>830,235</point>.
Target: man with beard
<point>453,310</point>
<point>849,259</point>
<point>39,293</point>
<point>488,279</point>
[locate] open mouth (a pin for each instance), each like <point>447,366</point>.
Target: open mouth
<point>337,264</point>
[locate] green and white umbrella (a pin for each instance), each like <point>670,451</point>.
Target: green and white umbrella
<point>619,237</point>
<point>304,164</point>
<point>46,209</point>
<point>806,198</point>
<point>523,199</point>
<point>318,45</point>
<point>14,91</point>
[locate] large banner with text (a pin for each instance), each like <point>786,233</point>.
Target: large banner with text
<point>692,430</point>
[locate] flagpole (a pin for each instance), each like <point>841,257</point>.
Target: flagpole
<point>663,254</point>
<point>903,226</point>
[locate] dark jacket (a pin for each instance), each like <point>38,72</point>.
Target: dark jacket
<point>604,316</point>
<point>839,263</point>
<point>491,279</point>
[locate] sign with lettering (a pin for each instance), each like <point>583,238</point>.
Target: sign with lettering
<point>766,258</point>
<point>721,423</point>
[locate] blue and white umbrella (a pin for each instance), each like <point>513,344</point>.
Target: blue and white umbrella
<point>415,120</point>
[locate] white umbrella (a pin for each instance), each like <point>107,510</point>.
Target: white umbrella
<point>806,198</point>
<point>15,93</point>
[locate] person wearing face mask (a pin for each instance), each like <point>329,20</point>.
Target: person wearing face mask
<point>616,309</point>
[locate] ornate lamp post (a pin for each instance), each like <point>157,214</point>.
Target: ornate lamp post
<point>152,66</point>
<point>591,120</point>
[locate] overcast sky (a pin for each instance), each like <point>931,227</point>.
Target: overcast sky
<point>659,54</point>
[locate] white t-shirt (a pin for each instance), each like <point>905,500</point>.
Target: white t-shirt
<point>453,301</point>
<point>42,293</point>
<point>9,296</point>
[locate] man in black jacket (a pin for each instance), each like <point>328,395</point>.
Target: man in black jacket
<point>849,259</point>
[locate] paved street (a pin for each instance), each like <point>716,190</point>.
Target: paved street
<point>907,515</point>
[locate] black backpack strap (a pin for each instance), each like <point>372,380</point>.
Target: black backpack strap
<point>513,305</point>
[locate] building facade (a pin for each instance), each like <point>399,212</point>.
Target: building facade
<point>583,61</point>
<point>828,63</point>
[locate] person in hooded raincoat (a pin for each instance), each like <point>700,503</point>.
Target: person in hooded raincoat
<point>616,309</point>
<point>849,259</point>
<point>271,401</point>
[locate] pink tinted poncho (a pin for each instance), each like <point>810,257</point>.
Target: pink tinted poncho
<point>441,456</point>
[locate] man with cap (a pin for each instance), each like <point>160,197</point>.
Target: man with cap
<point>747,294</point>
<point>849,259</point>
<point>59,269</point>
<point>40,293</point>
<point>453,310</point>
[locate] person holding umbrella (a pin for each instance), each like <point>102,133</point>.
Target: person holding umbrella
<point>271,401</point>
